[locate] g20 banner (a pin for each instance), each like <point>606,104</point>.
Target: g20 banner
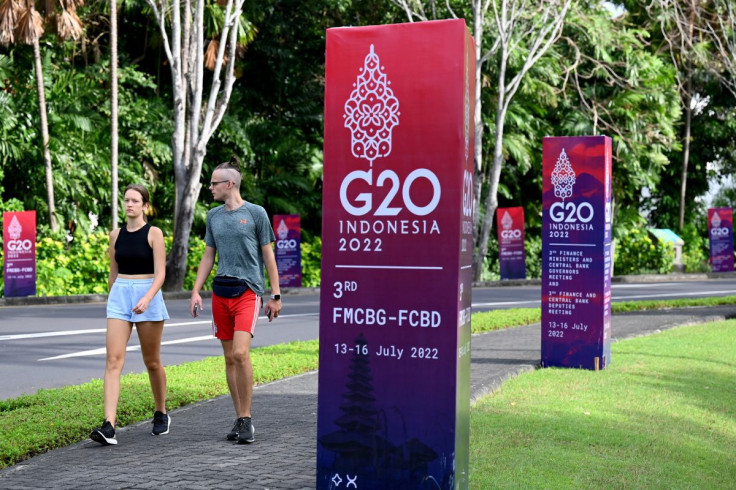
<point>511,253</point>
<point>288,249</point>
<point>397,231</point>
<point>576,252</point>
<point>720,232</point>
<point>19,247</point>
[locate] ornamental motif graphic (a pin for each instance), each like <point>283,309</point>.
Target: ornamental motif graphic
<point>14,230</point>
<point>282,231</point>
<point>506,221</point>
<point>371,112</point>
<point>563,176</point>
<point>715,221</point>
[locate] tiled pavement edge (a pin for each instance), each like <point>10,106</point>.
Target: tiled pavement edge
<point>196,455</point>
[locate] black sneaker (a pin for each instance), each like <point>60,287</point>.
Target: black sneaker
<point>105,435</point>
<point>161,423</point>
<point>245,430</point>
<point>233,434</point>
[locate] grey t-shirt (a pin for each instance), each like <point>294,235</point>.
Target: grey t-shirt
<point>238,236</point>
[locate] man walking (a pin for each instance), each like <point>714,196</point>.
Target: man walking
<point>240,234</point>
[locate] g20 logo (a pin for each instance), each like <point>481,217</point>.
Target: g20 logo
<point>288,244</point>
<point>569,212</point>
<point>511,234</point>
<point>467,194</point>
<point>20,245</point>
<point>723,231</point>
<point>385,208</point>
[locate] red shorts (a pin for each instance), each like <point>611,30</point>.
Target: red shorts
<point>231,314</point>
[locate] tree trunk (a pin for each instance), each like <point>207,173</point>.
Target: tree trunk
<point>491,201</point>
<point>193,124</point>
<point>45,134</point>
<point>685,156</point>
<point>176,262</point>
<point>478,19</point>
<point>114,111</point>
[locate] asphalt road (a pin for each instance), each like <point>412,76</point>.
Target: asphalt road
<point>57,345</point>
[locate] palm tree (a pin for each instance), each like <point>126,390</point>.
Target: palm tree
<point>20,22</point>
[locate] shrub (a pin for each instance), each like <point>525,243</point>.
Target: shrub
<point>82,265</point>
<point>695,253</point>
<point>312,263</point>
<point>636,253</point>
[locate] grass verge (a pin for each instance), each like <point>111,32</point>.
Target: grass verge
<point>68,414</point>
<point>662,415</point>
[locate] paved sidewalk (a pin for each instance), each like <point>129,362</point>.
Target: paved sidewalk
<point>196,455</point>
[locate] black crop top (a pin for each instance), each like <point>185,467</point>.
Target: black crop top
<point>133,253</point>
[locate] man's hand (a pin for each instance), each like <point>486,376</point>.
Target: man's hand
<point>273,308</point>
<point>195,305</point>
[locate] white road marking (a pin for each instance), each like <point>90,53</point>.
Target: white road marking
<point>62,333</point>
<point>131,348</point>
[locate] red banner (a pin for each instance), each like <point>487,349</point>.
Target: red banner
<point>288,249</point>
<point>19,247</point>
<point>511,252</point>
<point>396,257</point>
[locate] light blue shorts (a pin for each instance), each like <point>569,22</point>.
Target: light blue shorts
<point>126,293</point>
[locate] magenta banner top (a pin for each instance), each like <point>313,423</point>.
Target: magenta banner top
<point>19,248</point>
<point>720,233</point>
<point>288,249</point>
<point>396,257</point>
<point>511,252</point>
<point>576,252</point>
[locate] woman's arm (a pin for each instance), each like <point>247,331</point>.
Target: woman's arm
<point>113,264</point>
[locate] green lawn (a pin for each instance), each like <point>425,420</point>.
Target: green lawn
<point>662,415</point>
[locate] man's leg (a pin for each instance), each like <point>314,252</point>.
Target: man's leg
<point>242,373</point>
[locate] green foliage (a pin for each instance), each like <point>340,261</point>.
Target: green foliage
<point>695,253</point>
<point>636,253</point>
<point>620,89</point>
<point>498,319</point>
<point>81,267</point>
<point>311,262</point>
<point>196,251</point>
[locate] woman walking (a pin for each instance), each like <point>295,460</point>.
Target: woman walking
<point>137,272</point>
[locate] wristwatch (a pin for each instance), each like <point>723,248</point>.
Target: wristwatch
<point>276,297</point>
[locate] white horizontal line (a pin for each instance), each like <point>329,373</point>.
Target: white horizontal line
<point>575,244</point>
<point>701,293</point>
<point>130,348</point>
<point>466,267</point>
<point>398,267</point>
<point>500,303</point>
<point>62,333</point>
